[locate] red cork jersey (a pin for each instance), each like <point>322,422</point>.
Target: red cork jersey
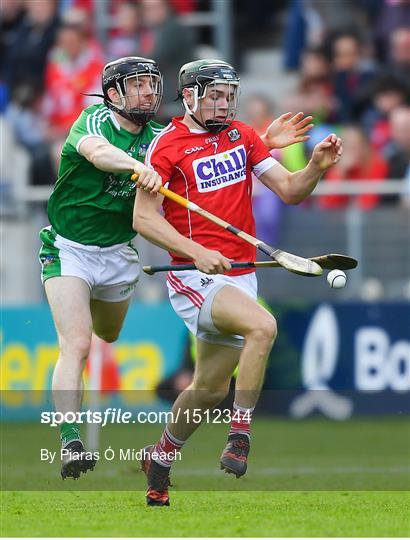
<point>212,170</point>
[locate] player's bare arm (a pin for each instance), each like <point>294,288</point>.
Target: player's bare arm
<point>155,228</point>
<point>109,158</point>
<point>293,188</point>
<point>287,129</point>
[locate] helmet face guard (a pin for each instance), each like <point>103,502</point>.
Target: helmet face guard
<point>204,79</point>
<point>117,75</point>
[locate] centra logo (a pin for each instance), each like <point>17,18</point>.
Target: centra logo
<point>220,170</point>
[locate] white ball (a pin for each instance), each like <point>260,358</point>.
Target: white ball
<point>336,279</point>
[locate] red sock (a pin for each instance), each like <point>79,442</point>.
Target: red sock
<point>241,420</point>
<point>167,449</point>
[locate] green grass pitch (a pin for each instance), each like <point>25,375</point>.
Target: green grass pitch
<point>311,478</point>
<point>205,513</point>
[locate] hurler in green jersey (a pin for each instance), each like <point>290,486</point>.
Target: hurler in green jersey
<point>89,265</point>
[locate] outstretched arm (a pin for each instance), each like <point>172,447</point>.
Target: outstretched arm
<point>287,130</point>
<point>293,188</point>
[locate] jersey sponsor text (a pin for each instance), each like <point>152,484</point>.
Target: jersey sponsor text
<point>220,170</point>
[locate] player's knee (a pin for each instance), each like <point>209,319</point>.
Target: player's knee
<point>77,347</point>
<point>209,397</point>
<point>264,331</point>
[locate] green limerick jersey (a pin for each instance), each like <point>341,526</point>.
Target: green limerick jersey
<point>90,206</point>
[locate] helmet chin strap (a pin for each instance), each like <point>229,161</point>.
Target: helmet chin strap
<point>136,116</point>
<point>209,125</point>
<point>199,123</point>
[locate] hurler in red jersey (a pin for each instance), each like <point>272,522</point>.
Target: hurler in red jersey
<point>208,157</point>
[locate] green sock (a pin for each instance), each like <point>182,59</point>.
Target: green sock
<point>69,432</point>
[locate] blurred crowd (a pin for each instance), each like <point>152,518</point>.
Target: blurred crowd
<point>355,77</point>
<point>52,57</point>
<point>350,58</point>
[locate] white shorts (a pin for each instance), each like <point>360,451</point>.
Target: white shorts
<point>192,292</point>
<point>110,272</point>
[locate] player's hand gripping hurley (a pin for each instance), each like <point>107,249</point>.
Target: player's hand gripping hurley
<point>293,263</point>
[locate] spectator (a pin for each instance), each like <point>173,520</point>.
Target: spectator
<point>309,22</point>
<point>11,18</point>
<point>360,162</point>
<point>14,172</point>
<point>267,208</point>
<point>335,16</point>
<point>24,117</point>
<point>399,62</point>
<point>125,42</point>
<point>259,112</point>
<point>294,35</point>
<point>398,152</point>
<point>393,14</point>
<point>32,42</point>
<point>314,93</point>
<point>74,69</point>
<point>79,16</point>
<point>315,64</point>
<point>351,74</point>
<point>387,93</point>
<point>169,43</point>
